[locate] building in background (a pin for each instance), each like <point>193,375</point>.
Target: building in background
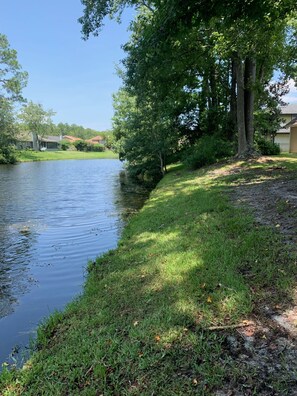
<point>286,136</point>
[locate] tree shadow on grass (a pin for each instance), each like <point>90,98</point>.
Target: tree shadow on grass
<point>208,264</point>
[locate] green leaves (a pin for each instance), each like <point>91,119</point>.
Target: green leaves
<point>12,81</point>
<point>12,78</point>
<point>37,120</point>
<point>180,71</point>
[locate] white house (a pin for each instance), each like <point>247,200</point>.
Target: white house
<point>25,140</point>
<point>286,136</point>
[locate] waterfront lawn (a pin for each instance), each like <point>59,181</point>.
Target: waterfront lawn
<point>141,326</point>
<point>28,155</point>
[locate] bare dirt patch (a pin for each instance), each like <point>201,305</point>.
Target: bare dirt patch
<point>268,346</point>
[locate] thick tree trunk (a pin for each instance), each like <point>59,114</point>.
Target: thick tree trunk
<point>242,141</point>
<point>250,78</point>
<point>35,141</point>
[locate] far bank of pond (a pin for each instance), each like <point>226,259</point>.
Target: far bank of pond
<point>54,217</point>
<point>29,155</point>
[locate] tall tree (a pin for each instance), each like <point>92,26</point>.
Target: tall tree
<point>12,81</point>
<point>7,131</point>
<point>144,136</point>
<point>37,120</point>
<point>12,78</point>
<point>220,54</point>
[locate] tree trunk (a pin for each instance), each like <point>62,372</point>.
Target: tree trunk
<point>250,78</point>
<point>242,142</point>
<point>233,108</point>
<point>204,95</point>
<point>213,87</point>
<point>35,141</point>
<point>161,163</point>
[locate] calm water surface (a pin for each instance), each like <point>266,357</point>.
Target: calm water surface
<point>54,217</point>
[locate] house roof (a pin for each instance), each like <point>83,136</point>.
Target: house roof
<point>290,123</point>
<point>96,139</point>
<point>284,130</point>
<point>51,138</point>
<point>26,136</point>
<point>289,109</point>
<point>71,138</point>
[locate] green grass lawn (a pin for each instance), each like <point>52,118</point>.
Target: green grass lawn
<point>26,155</point>
<point>141,324</point>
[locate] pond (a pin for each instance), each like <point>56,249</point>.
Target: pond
<point>54,217</point>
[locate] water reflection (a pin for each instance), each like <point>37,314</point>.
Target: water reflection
<point>14,277</point>
<point>130,196</point>
<point>54,217</point>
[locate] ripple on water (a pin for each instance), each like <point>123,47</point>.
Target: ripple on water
<point>54,217</point>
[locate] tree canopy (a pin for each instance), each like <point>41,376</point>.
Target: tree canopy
<point>12,80</point>
<point>37,120</point>
<point>198,68</point>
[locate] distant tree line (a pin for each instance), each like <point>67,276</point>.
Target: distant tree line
<point>32,117</point>
<point>76,131</point>
<point>201,79</point>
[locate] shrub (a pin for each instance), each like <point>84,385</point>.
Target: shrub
<point>81,145</point>
<point>7,155</point>
<point>64,144</point>
<point>266,147</point>
<point>97,147</point>
<point>207,150</point>
<point>147,172</point>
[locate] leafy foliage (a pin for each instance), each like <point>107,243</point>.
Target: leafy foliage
<point>266,146</point>
<point>208,150</point>
<point>144,137</point>
<point>97,147</point>
<point>65,145</point>
<point>37,120</point>
<point>7,132</point>
<point>195,68</point>
<point>12,78</point>
<point>12,81</point>
<point>81,145</point>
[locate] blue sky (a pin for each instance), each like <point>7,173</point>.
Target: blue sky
<point>73,77</point>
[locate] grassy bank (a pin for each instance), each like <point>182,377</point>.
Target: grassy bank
<point>188,261</point>
<point>26,155</point>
